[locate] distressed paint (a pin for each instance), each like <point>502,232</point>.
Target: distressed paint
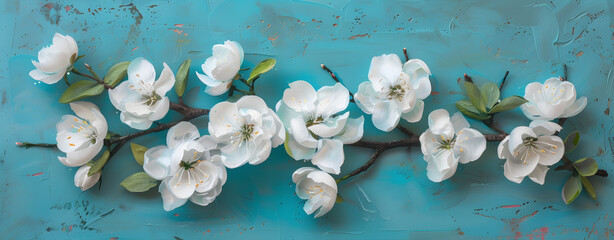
<point>483,38</point>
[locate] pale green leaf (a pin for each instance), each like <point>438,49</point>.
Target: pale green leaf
<point>116,73</point>
<point>181,78</point>
<point>572,189</point>
<point>467,108</point>
<point>474,96</point>
<point>98,164</point>
<point>339,199</point>
<point>571,141</point>
<point>588,186</point>
<point>508,104</point>
<point>586,166</point>
<point>139,182</point>
<point>490,94</point>
<point>261,68</point>
<point>80,90</point>
<point>138,152</point>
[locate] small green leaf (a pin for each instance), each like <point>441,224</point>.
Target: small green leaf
<point>139,182</point>
<point>98,164</point>
<point>116,73</point>
<point>571,141</point>
<point>181,78</point>
<point>508,104</point>
<point>490,94</point>
<point>138,152</point>
<point>586,166</point>
<point>572,188</point>
<point>588,186</point>
<point>474,96</point>
<point>80,90</point>
<point>467,108</point>
<point>339,199</point>
<point>261,68</point>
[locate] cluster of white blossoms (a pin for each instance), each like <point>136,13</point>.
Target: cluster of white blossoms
<point>312,124</point>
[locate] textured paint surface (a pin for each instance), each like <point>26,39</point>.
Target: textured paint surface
<point>394,199</point>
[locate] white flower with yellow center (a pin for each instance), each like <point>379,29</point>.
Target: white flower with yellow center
<point>141,99</point>
<point>316,130</point>
<point>447,142</point>
<point>81,137</point>
<point>553,99</point>
<point>530,150</point>
<point>318,188</point>
<point>54,61</point>
<point>189,166</point>
<point>246,130</point>
<point>220,69</point>
<point>394,91</point>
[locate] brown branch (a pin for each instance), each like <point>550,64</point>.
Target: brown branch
<point>97,79</point>
<point>503,81</point>
<point>405,53</point>
<point>381,147</point>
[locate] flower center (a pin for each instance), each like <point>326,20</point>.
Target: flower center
<point>314,121</point>
<point>246,132</point>
<point>151,99</point>
<point>315,190</point>
<point>445,143</point>
<point>83,127</point>
<point>188,165</point>
<point>396,92</point>
<point>531,146</point>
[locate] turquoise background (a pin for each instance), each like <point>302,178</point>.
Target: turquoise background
<point>394,199</point>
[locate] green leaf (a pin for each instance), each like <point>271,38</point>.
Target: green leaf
<point>571,141</point>
<point>474,96</point>
<point>339,199</point>
<point>490,94</point>
<point>261,68</point>
<point>138,152</point>
<point>586,166</point>
<point>508,104</point>
<point>81,90</point>
<point>98,164</point>
<point>139,182</point>
<point>288,150</point>
<point>181,78</point>
<point>116,73</point>
<point>467,108</point>
<point>588,186</point>
<point>572,188</point>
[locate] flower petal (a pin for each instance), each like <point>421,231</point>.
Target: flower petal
<point>366,97</point>
<point>539,174</point>
<point>156,162</point>
<point>507,172</point>
<point>141,70</point>
<point>353,130</point>
<point>419,74</point>
<point>415,114</point>
<point>332,100</point>
<point>459,121</point>
<point>160,109</point>
<point>83,181</point>
<point>470,144</point>
<point>384,71</point>
<point>329,156</point>
<point>300,96</point>
<point>165,82</point>
<point>575,108</point>
<point>550,149</point>
<point>180,133</point>
<point>169,200</point>
<point>223,120</point>
<point>440,124</point>
<point>442,167</point>
<point>181,184</point>
<point>135,121</point>
<point>301,133</point>
<point>330,127</point>
<point>543,127</point>
<point>386,115</point>
<point>302,173</point>
<point>298,151</point>
<point>518,135</point>
<point>48,78</point>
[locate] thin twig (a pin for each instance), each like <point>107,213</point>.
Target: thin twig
<point>405,130</point>
<point>29,145</point>
<point>98,80</point>
<point>336,79</point>
<point>405,53</point>
<point>503,81</point>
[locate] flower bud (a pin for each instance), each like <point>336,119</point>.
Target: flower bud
<point>83,181</point>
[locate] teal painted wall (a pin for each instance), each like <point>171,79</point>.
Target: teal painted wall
<point>394,199</point>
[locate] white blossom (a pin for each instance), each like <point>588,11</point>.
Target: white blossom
<point>189,166</point>
<point>247,130</point>
<point>81,137</point>
<point>316,128</point>
<point>394,91</point>
<point>553,99</point>
<point>83,181</point>
<point>530,150</point>
<point>220,69</point>
<point>141,99</point>
<point>318,188</point>
<point>447,142</point>
<point>54,61</point>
